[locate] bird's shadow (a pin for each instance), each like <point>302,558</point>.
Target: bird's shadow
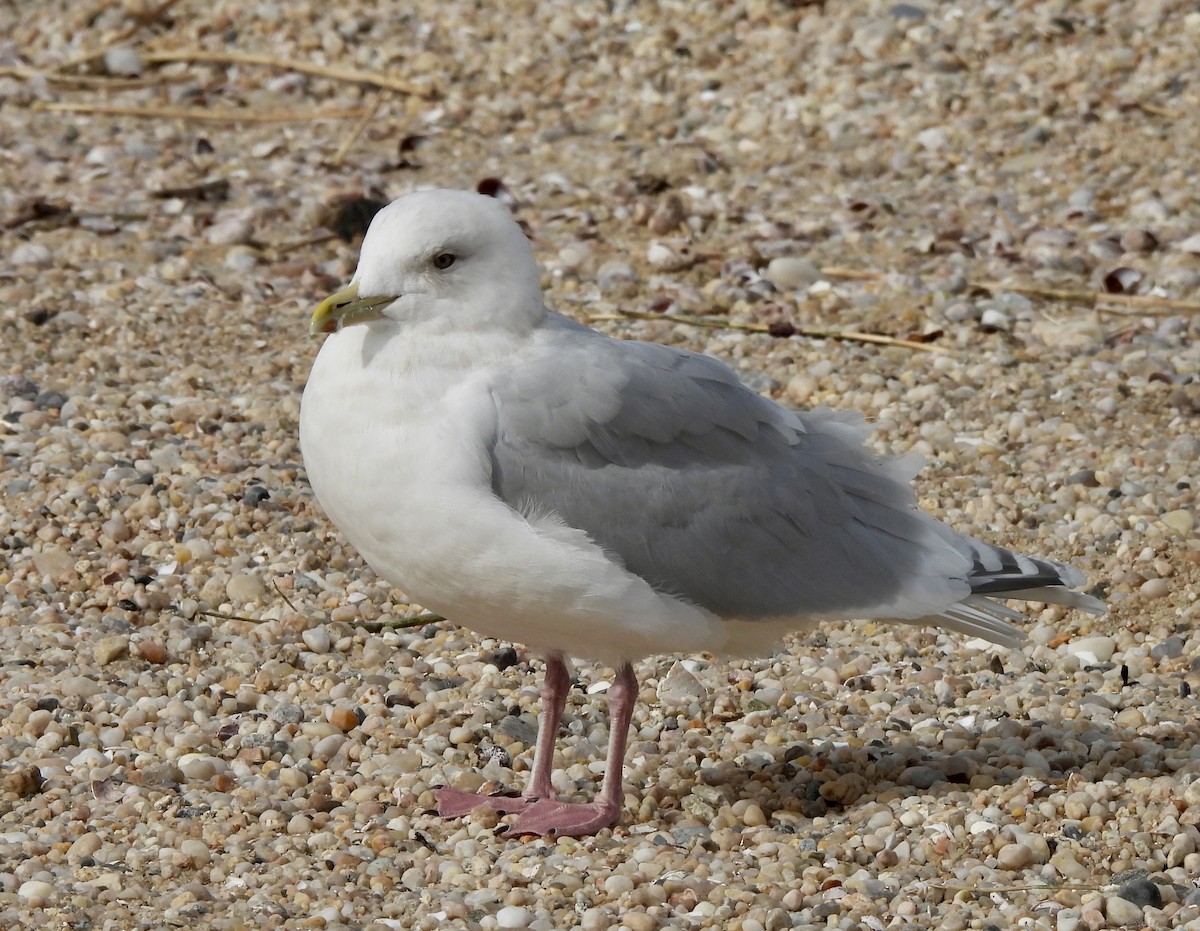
<point>825,777</point>
<point>904,767</point>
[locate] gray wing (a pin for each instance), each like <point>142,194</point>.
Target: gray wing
<point>713,493</point>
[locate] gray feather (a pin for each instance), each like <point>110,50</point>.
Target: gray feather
<point>702,487</point>
<point>729,500</point>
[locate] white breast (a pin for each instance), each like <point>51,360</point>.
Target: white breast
<point>399,463</point>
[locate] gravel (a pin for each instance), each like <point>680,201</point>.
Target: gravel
<point>209,714</point>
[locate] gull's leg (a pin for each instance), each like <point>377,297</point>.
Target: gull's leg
<point>555,687</point>
<point>549,816</point>
<point>453,803</point>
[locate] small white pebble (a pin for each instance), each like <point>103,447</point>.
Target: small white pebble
<point>1155,588</point>
<point>1091,650</point>
<point>679,688</point>
<point>512,916</point>
<point>617,884</point>
<point>231,229</point>
<point>1014,857</point>
<point>1121,911</point>
<point>36,892</point>
<point>200,766</point>
<point>196,852</point>
<point>670,257</point>
<point>243,588</point>
<point>31,253</point>
<point>317,639</point>
<point>790,273</point>
<point>123,60</point>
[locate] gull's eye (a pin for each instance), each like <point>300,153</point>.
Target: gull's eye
<point>444,259</point>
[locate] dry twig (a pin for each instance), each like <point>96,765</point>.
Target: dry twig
<point>352,136</point>
<point>402,623</point>
<point>346,75</point>
<point>810,332</point>
<point>1069,295</point>
<point>89,81</point>
<point>198,114</point>
<point>1092,297</point>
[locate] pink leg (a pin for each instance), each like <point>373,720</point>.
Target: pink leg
<point>453,803</point>
<point>566,819</point>
<point>555,687</point>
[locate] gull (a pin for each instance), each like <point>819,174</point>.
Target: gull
<point>540,482</point>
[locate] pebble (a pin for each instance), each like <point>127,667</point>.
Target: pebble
<point>1182,521</point>
<point>36,892</point>
<point>615,275</point>
<point>244,588</point>
<point>993,318</point>
<point>254,495</point>
<point>1015,857</point>
<point>38,721</point>
<point>1121,911</point>
<point>921,777</point>
<point>1155,588</point>
<point>110,649</point>
<point>195,852</point>
<point>641,921</point>
<point>680,688</point>
<point>670,256</point>
<point>287,713</point>
<point>201,766</point>
<point>81,686</point>
<point>1138,240</point>
<point>1085,477</point>
<point>1068,866</point>
<point>667,216</point>
<point>343,718</point>
<point>231,229</point>
<point>31,254</point>
<point>1142,893</point>
<point>51,400</point>
<point>292,778</point>
<point>152,651</point>
<point>907,11</point>
<point>933,139</point>
<point>753,816</point>
<point>122,61</point>
<point>791,273</point>
<point>1170,648</point>
<point>54,563</point>
<point>84,846</point>
<point>317,639</point>
<point>1091,650</point>
<point>512,916</point>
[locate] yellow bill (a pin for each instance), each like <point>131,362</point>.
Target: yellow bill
<point>345,308</point>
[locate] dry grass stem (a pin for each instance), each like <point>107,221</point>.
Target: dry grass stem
<point>359,127</point>
<point>87,81</point>
<point>198,114</point>
<point>1069,295</point>
<point>346,75</point>
<point>812,333</point>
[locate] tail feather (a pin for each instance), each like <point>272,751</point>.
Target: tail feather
<point>976,616</point>
<point>998,573</point>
